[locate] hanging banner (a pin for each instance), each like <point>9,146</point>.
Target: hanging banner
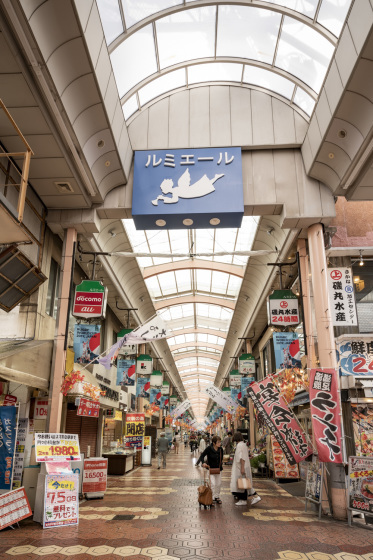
<point>283,309</point>
<point>86,343</point>
<point>362,421</point>
<point>287,352</point>
<point>181,408</point>
<point>56,447</point>
<point>154,329</point>
<point>355,355</point>
<point>236,394</point>
<point>173,400</point>
<point>126,372</point>
<point>90,300</point>
<point>246,364</point>
<point>135,424</point>
<point>14,506</point>
<point>280,420</point>
<point>165,388</point>
<point>94,475</point>
<point>154,396</point>
<point>88,408</point>
<point>142,387</point>
<point>61,500</point>
<point>325,413</point>
<point>156,379</point>
<point>19,455</point>
<point>220,397</point>
<point>235,378</point>
<point>360,483</point>
<point>164,402</point>
<point>8,429</point>
<point>342,296</point>
<point>245,383</point>
<point>126,349</point>
<point>144,364</point>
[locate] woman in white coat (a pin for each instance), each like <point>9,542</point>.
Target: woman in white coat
<point>242,468</point>
<point>202,445</point>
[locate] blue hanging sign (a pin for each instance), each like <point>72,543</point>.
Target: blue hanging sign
<point>8,420</point>
<point>191,188</point>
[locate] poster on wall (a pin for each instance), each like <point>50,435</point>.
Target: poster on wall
<point>87,343</point>
<point>142,387</point>
<point>19,455</point>
<point>325,414</point>
<point>341,296</point>
<point>56,447</point>
<point>287,351</point>
<point>360,483</point>
<point>126,372</point>
<point>355,355</point>
<point>362,421</point>
<point>61,500</point>
<point>8,432</point>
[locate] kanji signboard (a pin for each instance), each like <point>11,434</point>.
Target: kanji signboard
<point>355,355</point>
<point>283,309</point>
<point>280,420</point>
<point>88,408</point>
<point>342,296</point>
<point>325,412</point>
<point>95,475</point>
<point>135,424</point>
<point>360,483</point>
<point>61,501</point>
<point>8,425</point>
<point>90,300</point>
<point>56,447</point>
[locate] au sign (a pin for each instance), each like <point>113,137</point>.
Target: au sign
<point>90,300</point>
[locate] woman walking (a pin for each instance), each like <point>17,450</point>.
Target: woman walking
<point>212,459</point>
<point>241,468</point>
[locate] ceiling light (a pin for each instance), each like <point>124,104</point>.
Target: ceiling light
<point>331,155</point>
<point>100,144</point>
<point>356,279</point>
<point>342,133</point>
<point>214,221</point>
<point>361,262</point>
<point>160,223</point>
<point>188,222</point>
<point>107,163</point>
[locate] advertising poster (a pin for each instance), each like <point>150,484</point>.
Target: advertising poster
<point>135,424</point>
<point>41,408</point>
<point>155,396</point>
<point>19,455</point>
<point>360,483</point>
<point>57,447</point>
<point>164,402</point>
<point>280,420</point>
<point>287,351</point>
<point>221,397</point>
<point>87,343</point>
<point>133,442</point>
<point>61,500</point>
<point>245,383</point>
<point>314,478</point>
<point>142,387</point>
<point>14,506</point>
<point>236,394</point>
<point>126,372</point>
<point>8,425</point>
<point>94,475</point>
<point>281,465</point>
<point>362,421</point>
<point>325,414</point>
<point>355,356</point>
<point>342,296</point>
<point>88,408</point>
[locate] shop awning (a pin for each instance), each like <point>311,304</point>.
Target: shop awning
<point>26,361</point>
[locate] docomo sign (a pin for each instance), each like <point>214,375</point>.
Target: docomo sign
<point>90,300</point>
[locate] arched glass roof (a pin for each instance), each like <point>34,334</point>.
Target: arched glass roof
<point>157,46</point>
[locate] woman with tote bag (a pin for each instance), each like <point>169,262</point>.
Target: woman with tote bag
<point>212,459</point>
<point>241,469</point>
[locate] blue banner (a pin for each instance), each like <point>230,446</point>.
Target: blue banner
<point>142,387</point>
<point>164,402</point>
<point>155,396</point>
<point>8,421</point>
<point>126,372</point>
<point>287,352</point>
<point>87,343</point>
<point>236,394</point>
<point>245,383</point>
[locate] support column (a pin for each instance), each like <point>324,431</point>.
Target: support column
<point>305,275</point>
<point>59,351</point>
<point>326,350</point>
<point>249,350</point>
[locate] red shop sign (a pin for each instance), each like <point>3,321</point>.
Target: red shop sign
<point>89,300</point>
<point>88,408</point>
<point>94,475</point>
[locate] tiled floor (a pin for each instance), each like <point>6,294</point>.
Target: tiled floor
<point>164,523</point>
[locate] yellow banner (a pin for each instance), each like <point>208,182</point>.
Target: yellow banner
<point>61,485</point>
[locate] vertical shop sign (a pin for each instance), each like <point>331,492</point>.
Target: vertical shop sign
<point>283,309</point>
<point>325,412</point>
<point>144,364</point>
<point>280,420</point>
<point>126,372</point>
<point>87,343</point>
<point>287,351</point>
<point>235,378</point>
<point>246,364</point>
<point>126,349</point>
<point>8,428</point>
<point>355,355</point>
<point>95,475</point>
<point>360,483</point>
<point>165,388</point>
<point>135,424</point>
<point>342,297</point>
<point>41,408</point>
<point>19,455</point>
<point>142,387</point>
<point>61,500</point>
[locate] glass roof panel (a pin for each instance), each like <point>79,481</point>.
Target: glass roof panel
<point>247,32</point>
<point>134,59</point>
<point>302,51</point>
<point>130,107</point>
<point>306,7</point>
<point>214,72</point>
<point>110,19</point>
<point>136,10</point>
<point>186,35</point>
<point>162,85</point>
<point>332,14</point>
<point>203,280</point>
<point>219,282</point>
<point>153,287</point>
<point>269,80</point>
<point>234,286</point>
<point>304,101</point>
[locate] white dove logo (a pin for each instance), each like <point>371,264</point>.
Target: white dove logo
<point>184,189</point>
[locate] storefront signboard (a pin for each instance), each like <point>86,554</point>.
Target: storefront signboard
<point>61,500</point>
<point>8,400</point>
<point>342,296</point>
<point>314,479</point>
<point>87,343</point>
<point>135,424</point>
<point>94,475</point>
<point>360,483</point>
<point>90,300</point>
<point>126,372</point>
<point>133,442</point>
<point>56,447</point>
<point>355,355</point>
<point>287,351</point>
<point>165,388</point>
<point>142,387</point>
<point>144,364</point>
<point>88,408</point>
<point>362,422</point>
<point>204,185</point>
<point>283,309</point>
<point>235,378</point>
<point>220,397</point>
<point>246,364</point>
<point>14,506</point>
<point>126,349</point>
<point>8,432</point>
<point>19,455</point>
<point>280,420</point>
<point>325,413</point>
<point>41,408</point>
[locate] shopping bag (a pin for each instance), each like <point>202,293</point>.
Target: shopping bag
<point>244,483</point>
<point>205,493</point>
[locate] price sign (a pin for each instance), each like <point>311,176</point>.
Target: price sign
<point>54,447</point>
<point>41,408</point>
<point>95,475</point>
<point>14,506</point>
<point>61,502</point>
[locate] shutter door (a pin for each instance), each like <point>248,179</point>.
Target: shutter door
<point>73,423</point>
<point>88,435</point>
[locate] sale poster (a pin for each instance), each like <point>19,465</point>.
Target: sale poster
<point>57,447</point>
<point>135,424</point>
<point>41,408</point>
<point>87,343</point>
<point>14,506</point>
<point>19,455</point>
<point>94,475</point>
<point>360,483</point>
<point>61,502</point>
<point>362,421</point>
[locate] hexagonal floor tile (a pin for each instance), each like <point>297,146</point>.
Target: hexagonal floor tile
<point>100,550</point>
<point>74,550</point>
<point>348,556</point>
<point>125,551</point>
<point>319,556</point>
<point>25,549</point>
<point>44,550</point>
<point>291,555</point>
<point>154,551</point>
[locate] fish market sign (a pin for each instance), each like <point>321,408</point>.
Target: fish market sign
<point>283,309</point>
<point>188,188</point>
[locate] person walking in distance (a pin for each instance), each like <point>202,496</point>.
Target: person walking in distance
<point>227,444</point>
<point>177,440</point>
<point>212,459</point>
<point>242,468</point>
<point>162,444</point>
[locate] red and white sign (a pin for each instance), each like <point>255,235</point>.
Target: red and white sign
<point>342,296</point>
<point>61,501</point>
<point>14,506</point>
<point>90,299</point>
<point>88,408</point>
<point>41,408</point>
<point>9,400</point>
<point>283,308</point>
<point>94,475</point>
<point>325,413</point>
